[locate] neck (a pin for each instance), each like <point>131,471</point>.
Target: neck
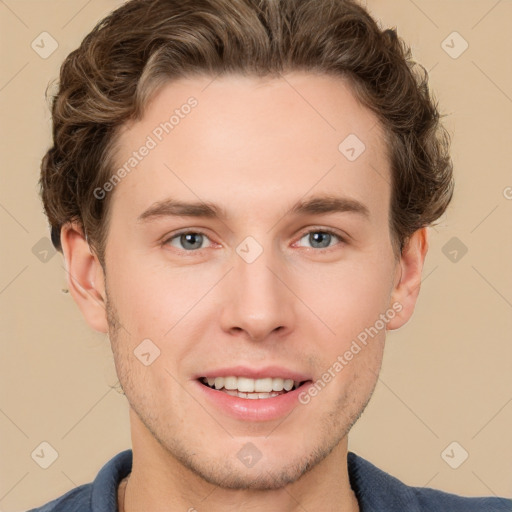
<point>160,482</point>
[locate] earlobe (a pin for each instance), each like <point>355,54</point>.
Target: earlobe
<point>84,276</point>
<point>407,286</point>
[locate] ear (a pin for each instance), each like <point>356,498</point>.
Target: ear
<point>408,278</point>
<point>85,277</point>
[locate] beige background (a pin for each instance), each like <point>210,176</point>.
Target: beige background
<point>447,375</point>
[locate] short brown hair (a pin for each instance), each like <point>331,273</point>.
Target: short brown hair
<point>145,43</point>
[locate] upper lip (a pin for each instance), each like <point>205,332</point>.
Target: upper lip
<point>256,373</point>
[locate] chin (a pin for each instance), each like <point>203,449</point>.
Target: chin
<point>264,478</point>
<point>268,473</point>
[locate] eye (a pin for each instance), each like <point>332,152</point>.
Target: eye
<point>187,240</point>
<point>320,238</point>
<point>191,241</point>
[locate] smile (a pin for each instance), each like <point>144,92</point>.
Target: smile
<point>252,394</point>
<point>244,387</point>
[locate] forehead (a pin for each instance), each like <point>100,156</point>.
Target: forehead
<point>238,141</point>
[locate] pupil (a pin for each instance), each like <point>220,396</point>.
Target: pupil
<point>320,237</point>
<point>195,239</point>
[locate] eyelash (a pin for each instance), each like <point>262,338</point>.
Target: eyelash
<point>331,232</point>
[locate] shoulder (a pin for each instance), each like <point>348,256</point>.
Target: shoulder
<point>99,495</point>
<point>435,500</point>
<point>78,499</point>
<point>378,491</point>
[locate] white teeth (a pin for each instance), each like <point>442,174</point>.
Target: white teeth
<point>288,384</point>
<point>250,395</point>
<point>244,384</point>
<point>266,387</point>
<point>277,384</point>
<point>263,385</point>
<point>230,382</point>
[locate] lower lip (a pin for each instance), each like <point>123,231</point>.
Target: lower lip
<point>248,409</point>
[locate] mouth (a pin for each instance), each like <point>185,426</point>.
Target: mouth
<point>252,389</point>
<point>252,394</point>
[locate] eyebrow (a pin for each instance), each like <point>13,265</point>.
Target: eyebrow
<point>315,205</point>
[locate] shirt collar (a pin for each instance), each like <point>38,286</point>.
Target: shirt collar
<point>376,490</point>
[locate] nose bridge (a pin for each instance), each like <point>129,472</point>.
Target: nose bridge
<point>257,301</point>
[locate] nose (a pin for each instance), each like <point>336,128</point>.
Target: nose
<point>257,304</point>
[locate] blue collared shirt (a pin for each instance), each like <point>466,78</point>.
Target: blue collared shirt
<point>376,491</point>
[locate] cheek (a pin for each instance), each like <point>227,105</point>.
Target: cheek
<point>153,300</point>
<point>139,384</point>
<point>348,297</point>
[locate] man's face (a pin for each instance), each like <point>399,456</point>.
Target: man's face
<point>262,293</point>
